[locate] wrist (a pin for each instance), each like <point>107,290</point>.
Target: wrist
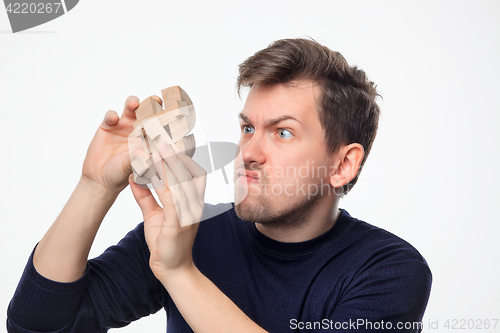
<point>180,278</point>
<point>96,190</point>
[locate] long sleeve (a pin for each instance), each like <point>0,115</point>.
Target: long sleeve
<point>118,287</point>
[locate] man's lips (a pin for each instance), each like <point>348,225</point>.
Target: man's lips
<point>250,176</point>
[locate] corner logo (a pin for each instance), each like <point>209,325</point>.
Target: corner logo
<point>28,14</point>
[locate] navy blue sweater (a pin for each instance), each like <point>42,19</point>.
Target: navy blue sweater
<point>353,277</point>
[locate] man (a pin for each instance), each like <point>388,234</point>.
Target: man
<point>284,259</point>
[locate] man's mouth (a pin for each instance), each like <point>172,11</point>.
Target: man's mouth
<point>248,176</point>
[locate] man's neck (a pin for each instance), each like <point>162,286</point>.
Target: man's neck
<point>319,221</point>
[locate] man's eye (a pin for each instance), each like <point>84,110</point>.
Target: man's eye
<point>247,129</point>
<point>284,134</point>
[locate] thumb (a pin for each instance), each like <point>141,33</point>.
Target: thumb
<point>144,199</point>
<point>127,166</point>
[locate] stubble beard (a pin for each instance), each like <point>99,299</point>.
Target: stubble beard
<point>283,215</point>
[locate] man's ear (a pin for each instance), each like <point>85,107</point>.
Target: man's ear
<point>348,162</point>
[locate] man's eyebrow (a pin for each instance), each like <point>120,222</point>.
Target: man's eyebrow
<point>244,118</point>
<point>271,122</point>
<point>275,121</point>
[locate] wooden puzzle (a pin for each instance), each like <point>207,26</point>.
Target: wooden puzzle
<point>156,125</point>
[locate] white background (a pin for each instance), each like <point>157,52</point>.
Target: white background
<point>432,177</point>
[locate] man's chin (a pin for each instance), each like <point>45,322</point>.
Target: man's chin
<point>258,211</point>
<point>291,215</point>
<point>251,212</point>
<point>243,211</point>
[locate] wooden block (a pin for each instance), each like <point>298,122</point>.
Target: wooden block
<point>138,131</point>
<point>185,97</point>
<point>159,141</point>
<point>145,144</point>
<point>157,135</point>
<point>179,128</point>
<point>146,177</point>
<point>153,128</point>
<point>140,180</point>
<point>148,145</point>
<point>185,110</point>
<point>174,104</point>
<point>175,93</point>
<point>180,145</point>
<point>146,158</point>
<point>172,94</point>
<point>168,117</point>
<point>151,145</point>
<point>189,145</point>
<point>149,173</point>
<point>139,166</point>
<point>135,146</point>
<point>191,119</point>
<point>148,108</point>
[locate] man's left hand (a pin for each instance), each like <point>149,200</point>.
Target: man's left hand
<point>170,230</point>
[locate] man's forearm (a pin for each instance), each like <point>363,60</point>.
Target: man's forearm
<point>62,253</point>
<point>204,307</point>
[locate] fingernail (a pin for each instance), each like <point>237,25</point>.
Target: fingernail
<point>165,148</point>
<point>156,157</point>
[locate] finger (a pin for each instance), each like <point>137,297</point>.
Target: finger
<point>175,164</point>
<point>194,168</point>
<point>166,175</point>
<point>194,188</point>
<point>185,190</point>
<point>182,175</point>
<point>169,180</point>
<point>131,104</point>
<point>199,175</point>
<point>144,199</point>
<point>158,99</point>
<point>170,204</point>
<point>110,119</point>
<point>181,172</point>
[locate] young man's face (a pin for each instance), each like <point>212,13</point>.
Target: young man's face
<point>285,163</point>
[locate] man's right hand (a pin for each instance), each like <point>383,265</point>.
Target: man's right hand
<point>107,164</point>
<point>62,253</point>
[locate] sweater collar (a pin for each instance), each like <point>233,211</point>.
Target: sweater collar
<point>299,248</point>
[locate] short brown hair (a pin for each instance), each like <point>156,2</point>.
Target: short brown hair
<point>348,112</point>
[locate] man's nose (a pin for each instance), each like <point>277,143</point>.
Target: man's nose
<point>252,151</point>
